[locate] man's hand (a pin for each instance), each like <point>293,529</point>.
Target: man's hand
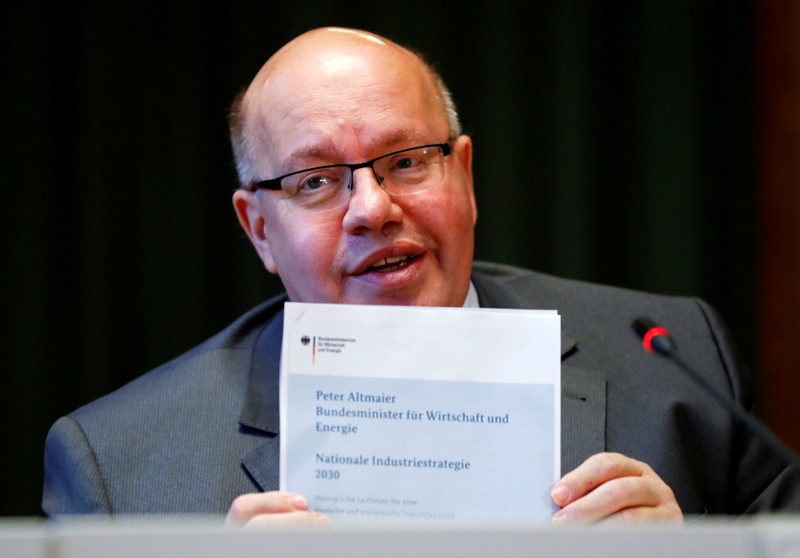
<point>610,486</point>
<point>276,510</point>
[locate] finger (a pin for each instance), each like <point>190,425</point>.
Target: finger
<point>669,513</point>
<point>291,520</point>
<point>595,471</point>
<point>626,498</point>
<point>247,506</point>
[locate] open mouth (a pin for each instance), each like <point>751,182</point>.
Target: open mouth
<point>391,264</point>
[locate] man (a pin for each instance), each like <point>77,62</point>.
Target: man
<point>357,188</point>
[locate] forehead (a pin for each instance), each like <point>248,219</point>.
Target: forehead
<point>336,103</point>
<point>327,149</point>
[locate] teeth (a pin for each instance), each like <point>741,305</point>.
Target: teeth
<point>389,264</point>
<point>390,261</point>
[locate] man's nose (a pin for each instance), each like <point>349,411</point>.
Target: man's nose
<point>378,177</point>
<point>370,206</point>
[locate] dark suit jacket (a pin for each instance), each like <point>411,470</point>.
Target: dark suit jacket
<point>196,432</point>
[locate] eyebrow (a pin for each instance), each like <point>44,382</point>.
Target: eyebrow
<point>388,141</point>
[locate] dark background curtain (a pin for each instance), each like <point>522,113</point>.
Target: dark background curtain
<point>614,142</point>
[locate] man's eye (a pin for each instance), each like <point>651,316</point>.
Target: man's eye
<point>406,163</point>
<point>316,182</point>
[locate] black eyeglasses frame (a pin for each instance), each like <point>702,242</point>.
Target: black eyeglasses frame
<point>275,183</point>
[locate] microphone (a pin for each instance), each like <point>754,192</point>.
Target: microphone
<point>657,339</point>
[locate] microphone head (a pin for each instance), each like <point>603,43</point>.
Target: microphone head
<point>654,337</point>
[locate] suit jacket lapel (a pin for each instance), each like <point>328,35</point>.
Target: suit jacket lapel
<point>261,408</point>
<point>583,415</point>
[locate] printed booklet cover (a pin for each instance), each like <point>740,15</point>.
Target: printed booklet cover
<point>404,413</point>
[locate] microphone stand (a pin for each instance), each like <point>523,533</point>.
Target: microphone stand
<point>657,339</point>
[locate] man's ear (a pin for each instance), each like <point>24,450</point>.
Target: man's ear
<point>463,152</point>
<point>250,212</point>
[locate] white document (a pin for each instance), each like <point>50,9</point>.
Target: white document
<point>421,413</point>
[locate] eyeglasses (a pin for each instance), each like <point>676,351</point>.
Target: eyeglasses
<point>408,171</point>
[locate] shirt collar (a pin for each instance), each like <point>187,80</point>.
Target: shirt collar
<point>472,297</point>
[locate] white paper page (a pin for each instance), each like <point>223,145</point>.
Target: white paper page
<point>421,413</point>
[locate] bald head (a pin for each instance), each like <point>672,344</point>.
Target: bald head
<point>328,47</point>
<point>320,78</point>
